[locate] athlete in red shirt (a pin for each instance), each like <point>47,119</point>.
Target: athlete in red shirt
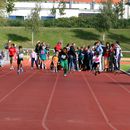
<point>12,52</point>
<point>58,47</point>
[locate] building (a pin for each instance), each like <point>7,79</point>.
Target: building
<point>73,8</point>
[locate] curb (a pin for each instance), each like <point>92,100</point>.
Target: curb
<point>125,72</point>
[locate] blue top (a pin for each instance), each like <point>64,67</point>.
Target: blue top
<point>43,54</point>
<point>99,49</point>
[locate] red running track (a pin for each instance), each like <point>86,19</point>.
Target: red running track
<point>42,100</point>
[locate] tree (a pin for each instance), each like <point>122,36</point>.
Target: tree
<point>33,22</point>
<point>118,13</point>
<point>6,6</point>
<point>10,6</point>
<point>119,9</point>
<point>102,24</point>
<point>53,12</point>
<point>103,20</point>
<point>62,6</point>
<point>1,7</point>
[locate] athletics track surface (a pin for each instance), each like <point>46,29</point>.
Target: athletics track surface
<point>42,100</point>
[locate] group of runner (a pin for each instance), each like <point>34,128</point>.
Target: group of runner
<point>98,57</point>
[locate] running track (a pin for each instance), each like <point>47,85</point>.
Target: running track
<point>42,100</point>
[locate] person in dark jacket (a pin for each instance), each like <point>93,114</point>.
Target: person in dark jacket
<point>38,48</point>
<point>64,60</point>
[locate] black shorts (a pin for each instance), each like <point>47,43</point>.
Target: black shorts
<point>19,61</point>
<point>11,59</point>
<point>95,65</point>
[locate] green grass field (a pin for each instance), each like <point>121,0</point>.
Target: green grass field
<point>80,36</point>
<point>125,67</point>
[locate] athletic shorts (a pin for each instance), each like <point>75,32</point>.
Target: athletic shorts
<point>19,61</point>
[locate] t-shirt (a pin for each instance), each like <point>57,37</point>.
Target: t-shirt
<point>12,51</point>
<point>33,55</point>
<point>55,59</point>
<point>58,47</point>
<point>1,57</point>
<point>96,59</point>
<point>63,56</point>
<point>43,54</point>
<point>20,55</point>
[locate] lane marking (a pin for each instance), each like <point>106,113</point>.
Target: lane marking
<point>49,104</point>
<point>14,89</point>
<point>99,104</point>
<point>120,85</point>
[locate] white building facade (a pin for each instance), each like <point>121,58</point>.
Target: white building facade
<point>23,10</point>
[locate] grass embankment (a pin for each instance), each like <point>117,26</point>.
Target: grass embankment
<point>125,67</point>
<point>80,36</point>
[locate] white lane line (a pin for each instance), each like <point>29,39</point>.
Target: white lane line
<point>49,105</point>
<point>13,90</point>
<point>99,105</point>
<point>120,85</point>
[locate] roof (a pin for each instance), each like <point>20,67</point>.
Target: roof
<point>87,1</point>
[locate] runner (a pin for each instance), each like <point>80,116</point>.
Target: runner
<point>1,58</point>
<point>58,47</point>
<point>38,48</point>
<point>64,60</point>
<point>106,57</point>
<point>55,60</point>
<point>43,57</point>
<point>96,63</point>
<point>33,59</point>
<point>12,52</point>
<point>20,56</point>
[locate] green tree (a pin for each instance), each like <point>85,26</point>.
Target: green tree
<point>102,24</point>
<point>61,7</point>
<point>53,12</point>
<point>119,9</point>
<point>118,13</point>
<point>5,6</point>
<point>1,7</point>
<point>33,22</point>
<point>104,19</point>
<point>9,6</point>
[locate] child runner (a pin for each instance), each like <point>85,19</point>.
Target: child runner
<point>55,60</point>
<point>64,60</point>
<point>33,59</point>
<point>19,60</point>
<point>38,48</point>
<point>96,62</point>
<point>43,57</point>
<point>48,51</point>
<point>1,58</point>
<point>106,56</point>
<point>12,52</point>
<point>81,58</point>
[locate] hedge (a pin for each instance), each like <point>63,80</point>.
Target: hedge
<point>73,22</point>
